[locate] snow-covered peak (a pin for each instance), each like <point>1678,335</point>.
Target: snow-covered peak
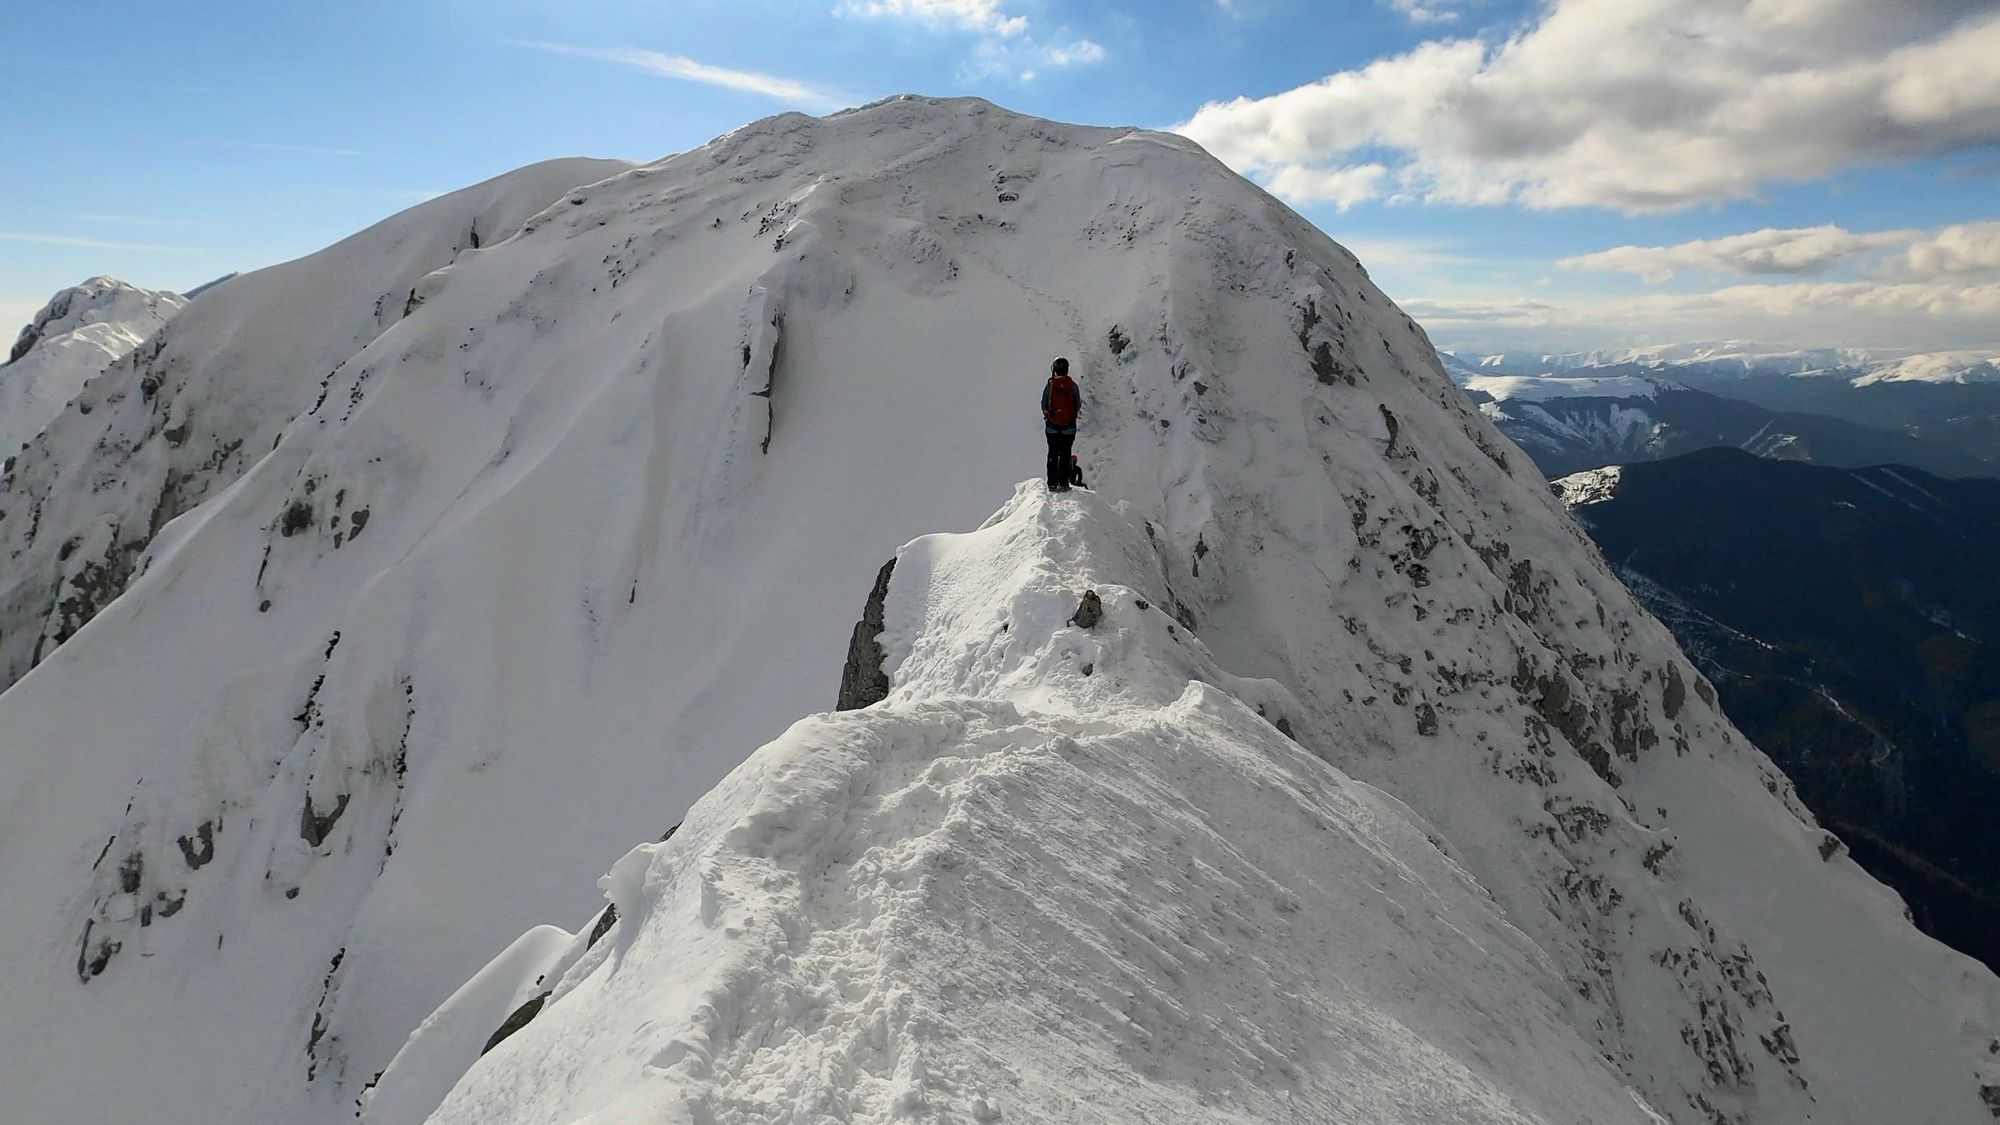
<point>80,332</point>
<point>99,300</point>
<point>179,418</point>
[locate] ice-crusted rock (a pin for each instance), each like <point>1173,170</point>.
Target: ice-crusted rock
<point>583,522</point>
<point>863,681</point>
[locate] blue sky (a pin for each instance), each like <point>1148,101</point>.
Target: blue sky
<point>1567,173</point>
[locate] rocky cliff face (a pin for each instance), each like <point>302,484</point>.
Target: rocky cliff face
<point>549,554</point>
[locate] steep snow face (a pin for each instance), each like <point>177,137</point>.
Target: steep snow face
<point>1066,872</point>
<point>553,551</point>
<point>189,410</point>
<point>79,333</point>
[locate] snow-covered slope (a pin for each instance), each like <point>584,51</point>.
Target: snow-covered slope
<point>555,550</point>
<point>80,332</point>
<point>1069,871</point>
<point>186,413</point>
<point>1935,367</point>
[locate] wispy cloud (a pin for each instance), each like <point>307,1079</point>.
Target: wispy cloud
<point>92,243</point>
<point>1425,11</point>
<point>1007,42</point>
<point>111,217</point>
<point>296,150</point>
<point>685,69</point>
<point>987,16</point>
<point>1959,251</point>
<point>1923,315</point>
<point>1079,53</point>
<point>1799,250</point>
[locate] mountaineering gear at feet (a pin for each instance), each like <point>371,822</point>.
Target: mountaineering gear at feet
<point>1076,473</point>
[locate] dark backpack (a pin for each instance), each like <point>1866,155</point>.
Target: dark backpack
<point>1062,401</point>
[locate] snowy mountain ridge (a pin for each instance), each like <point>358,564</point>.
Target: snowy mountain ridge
<point>554,544</point>
<point>1066,867</point>
<point>1739,359</point>
<point>80,332</point>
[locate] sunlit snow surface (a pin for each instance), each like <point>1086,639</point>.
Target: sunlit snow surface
<point>558,529</point>
<point>1063,874</point>
<point>78,334</point>
<point>1536,388</point>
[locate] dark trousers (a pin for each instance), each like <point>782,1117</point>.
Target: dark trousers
<point>1059,449</point>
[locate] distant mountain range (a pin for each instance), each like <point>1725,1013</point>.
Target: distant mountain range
<point>1741,359</point>
<point>1569,424</point>
<point>1850,622</point>
<point>1938,412</point>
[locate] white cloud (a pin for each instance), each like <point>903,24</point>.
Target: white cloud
<point>91,243</point>
<point>1005,46</point>
<point>1342,187</point>
<point>1641,105</point>
<point>1969,248</point>
<point>1426,11</point>
<point>688,70</point>
<point>1954,252</point>
<point>1079,53</point>
<point>985,16</point>
<point>1795,251</point>
<point>1928,316</point>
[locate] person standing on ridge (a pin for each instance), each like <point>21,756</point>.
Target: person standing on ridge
<point>1061,404</point>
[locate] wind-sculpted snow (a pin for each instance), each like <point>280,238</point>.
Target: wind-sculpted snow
<point>550,554</point>
<point>1062,874</point>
